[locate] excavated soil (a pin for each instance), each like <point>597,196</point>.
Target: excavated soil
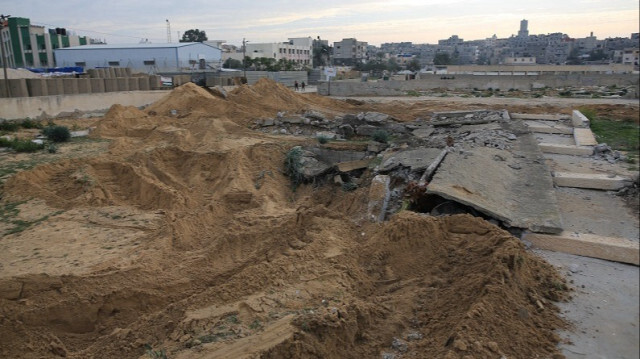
<point>185,240</point>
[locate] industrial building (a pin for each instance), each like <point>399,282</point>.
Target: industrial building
<point>28,45</point>
<point>146,58</point>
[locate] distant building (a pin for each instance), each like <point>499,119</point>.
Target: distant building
<point>630,56</point>
<point>348,52</point>
<point>297,50</point>
<point>149,58</point>
<point>28,45</point>
<point>520,61</point>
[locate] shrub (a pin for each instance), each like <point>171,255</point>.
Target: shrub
<point>57,133</point>
<point>20,145</point>
<point>8,126</point>
<point>380,136</point>
<point>322,139</point>
<point>52,148</point>
<point>293,166</point>
<point>349,186</point>
<point>29,123</point>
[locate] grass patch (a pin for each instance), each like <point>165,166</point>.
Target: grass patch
<point>9,211</point>
<point>20,145</point>
<point>381,136</point>
<point>620,135</point>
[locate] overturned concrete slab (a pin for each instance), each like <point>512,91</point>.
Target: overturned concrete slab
<point>579,120</point>
<point>591,180</point>
<point>417,159</point>
<point>584,137</point>
<point>379,195</point>
<point>566,149</point>
<point>514,186</point>
<point>588,245</point>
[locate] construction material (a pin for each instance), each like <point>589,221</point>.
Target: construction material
<point>588,245</point>
<point>432,167</point>
<point>544,128</point>
<point>590,180</point>
<point>540,116</point>
<point>566,149</point>
<point>579,120</point>
<point>584,137</point>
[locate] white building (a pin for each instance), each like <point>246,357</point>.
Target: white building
<point>149,58</point>
<point>299,52</point>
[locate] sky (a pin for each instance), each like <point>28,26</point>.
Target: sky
<point>373,21</point>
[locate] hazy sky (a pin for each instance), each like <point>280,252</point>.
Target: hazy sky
<point>419,21</point>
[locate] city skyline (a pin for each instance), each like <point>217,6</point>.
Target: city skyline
<point>375,22</point>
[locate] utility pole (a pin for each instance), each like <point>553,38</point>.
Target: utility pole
<point>168,31</point>
<point>244,58</point>
<point>4,18</point>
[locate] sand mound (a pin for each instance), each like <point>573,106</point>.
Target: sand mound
<point>235,264</point>
<point>187,99</point>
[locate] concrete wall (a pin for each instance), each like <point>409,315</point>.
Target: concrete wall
<point>286,78</point>
<point>72,86</point>
<point>23,107</point>
<point>452,82</point>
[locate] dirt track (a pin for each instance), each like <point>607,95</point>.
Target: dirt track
<point>186,237</point>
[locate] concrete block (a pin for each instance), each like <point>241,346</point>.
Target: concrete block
<point>123,84</point>
<point>566,149</point>
<point>55,87</point>
<point>119,72</point>
<point>584,137</point>
<point>540,116</point>
<point>70,86</point>
<point>378,198</point>
<point>579,120</point>
<point>93,73</point>
<point>127,71</point>
<point>588,245</point>
<point>544,128</point>
<point>133,83</point>
<point>110,85</point>
<point>143,83</point>
<point>18,88</point>
<point>97,85</point>
<point>103,73</point>
<point>112,72</point>
<point>84,85</point>
<point>37,87</point>
<point>154,82</point>
<point>590,180</point>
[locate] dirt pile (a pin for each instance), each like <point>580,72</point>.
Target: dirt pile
<point>186,240</point>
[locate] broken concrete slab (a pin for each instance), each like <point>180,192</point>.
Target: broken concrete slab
<point>353,165</point>
<point>566,149</point>
<point>376,117</point>
<point>535,126</point>
<point>591,180</point>
<point>584,137</point>
<point>423,132</point>
<point>579,120</point>
<point>588,245</point>
<point>416,159</point>
<point>540,116</point>
<point>514,187</point>
<point>379,195</point>
<point>336,156</point>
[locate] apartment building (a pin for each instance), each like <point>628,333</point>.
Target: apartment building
<point>348,52</point>
<point>28,45</point>
<point>296,49</point>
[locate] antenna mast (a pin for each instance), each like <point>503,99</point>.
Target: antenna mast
<point>168,32</point>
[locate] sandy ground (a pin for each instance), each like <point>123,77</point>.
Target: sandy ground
<point>174,232</point>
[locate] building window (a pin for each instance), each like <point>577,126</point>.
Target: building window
<point>83,64</point>
<point>149,62</point>
<point>114,63</point>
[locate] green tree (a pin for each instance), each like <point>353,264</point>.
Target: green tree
<point>574,57</point>
<point>442,58</point>
<point>232,64</point>
<point>194,36</point>
<point>321,55</point>
<point>414,65</point>
<point>597,55</point>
